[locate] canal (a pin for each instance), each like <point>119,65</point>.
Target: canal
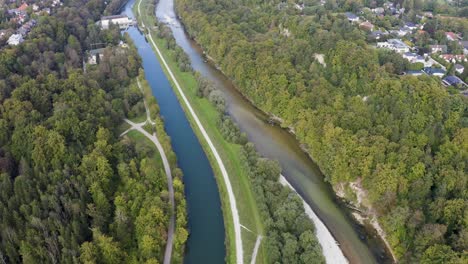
<point>205,219</point>
<point>358,244</point>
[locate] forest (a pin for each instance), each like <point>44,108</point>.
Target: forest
<point>402,140</point>
<point>71,190</point>
<point>289,233</point>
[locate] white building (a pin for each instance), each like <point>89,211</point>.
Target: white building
<point>394,44</point>
<point>15,39</point>
<point>121,20</point>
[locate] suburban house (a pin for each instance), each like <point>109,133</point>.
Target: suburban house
<point>409,56</point>
<point>414,73</point>
<point>95,55</point>
<point>366,26</point>
<point>121,20</point>
<point>459,68</point>
<point>15,39</point>
<point>434,71</point>
<point>394,44</point>
<point>452,81</point>
<point>453,57</point>
<point>411,25</point>
<point>464,44</point>
<point>351,17</point>
<point>452,36</point>
<point>378,10</point>
<point>438,48</point>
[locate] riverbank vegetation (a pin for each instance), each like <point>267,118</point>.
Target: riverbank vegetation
<point>71,190</point>
<point>402,138</point>
<point>289,235</point>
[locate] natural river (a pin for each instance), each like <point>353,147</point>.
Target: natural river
<point>358,244</point>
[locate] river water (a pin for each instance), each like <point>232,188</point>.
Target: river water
<point>358,244</point>
<point>205,219</point>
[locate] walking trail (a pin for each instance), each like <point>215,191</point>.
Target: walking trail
<point>230,192</point>
<point>167,169</point>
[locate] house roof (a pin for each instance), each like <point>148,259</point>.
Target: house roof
<point>452,35</point>
<point>96,51</point>
<point>459,66</point>
<point>23,7</point>
<point>432,71</point>
<point>350,15</point>
<point>452,80</point>
<point>410,54</point>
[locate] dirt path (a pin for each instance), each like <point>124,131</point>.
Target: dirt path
<point>255,252</point>
<point>167,170</point>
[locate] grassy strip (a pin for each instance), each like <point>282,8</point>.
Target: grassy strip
<point>229,152</point>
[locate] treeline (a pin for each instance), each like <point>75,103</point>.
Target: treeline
<point>403,138</point>
<point>71,190</point>
<point>289,233</point>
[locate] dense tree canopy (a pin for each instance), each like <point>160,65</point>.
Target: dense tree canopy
<point>403,138</point>
<point>71,190</point>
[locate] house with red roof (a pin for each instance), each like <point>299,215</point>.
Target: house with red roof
<point>23,7</point>
<point>452,36</point>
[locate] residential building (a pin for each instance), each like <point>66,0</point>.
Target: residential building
<point>452,36</point>
<point>434,72</point>
<point>409,56</point>
<point>95,55</point>
<point>121,20</point>
<point>459,68</point>
<point>411,25</point>
<point>378,10</point>
<point>464,44</point>
<point>15,39</point>
<point>453,81</point>
<point>438,48</point>
<point>351,17</point>
<point>452,58</point>
<point>366,26</point>
<point>414,73</point>
<point>394,44</point>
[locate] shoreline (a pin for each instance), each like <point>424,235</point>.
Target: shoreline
<point>279,121</point>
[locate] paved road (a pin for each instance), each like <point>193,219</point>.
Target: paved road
<point>227,181</point>
<point>167,169</point>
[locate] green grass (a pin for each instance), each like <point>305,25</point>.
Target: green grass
<point>230,153</point>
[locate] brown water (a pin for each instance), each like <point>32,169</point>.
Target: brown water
<point>358,244</point>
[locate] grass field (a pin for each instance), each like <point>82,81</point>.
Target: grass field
<point>230,153</point>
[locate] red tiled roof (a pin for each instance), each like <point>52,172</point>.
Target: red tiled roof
<point>23,7</point>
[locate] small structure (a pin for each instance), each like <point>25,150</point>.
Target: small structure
<point>95,55</point>
<point>394,44</point>
<point>452,36</point>
<point>411,25</point>
<point>452,81</point>
<point>351,17</point>
<point>464,44</point>
<point>452,58</point>
<point>121,20</point>
<point>414,73</point>
<point>459,68</point>
<point>434,71</point>
<point>366,26</point>
<point>378,10</point>
<point>15,39</point>
<point>438,48</point>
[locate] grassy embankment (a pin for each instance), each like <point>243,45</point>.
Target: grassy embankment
<point>230,153</point>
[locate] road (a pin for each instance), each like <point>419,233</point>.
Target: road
<point>227,182</point>
<point>167,169</point>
